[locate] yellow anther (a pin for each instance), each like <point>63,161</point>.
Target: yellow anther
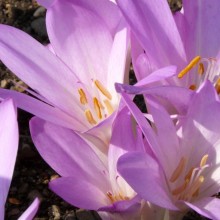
<point>196,185</point>
<point>179,169</point>
<point>89,117</point>
<point>189,66</point>
<point>180,189</point>
<point>108,106</point>
<point>103,90</point>
<point>189,174</point>
<point>204,160</point>
<point>83,99</point>
<point>192,87</point>
<point>110,196</point>
<point>201,69</point>
<point>217,86</point>
<point>97,108</point>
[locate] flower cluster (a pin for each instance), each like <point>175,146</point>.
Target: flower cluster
<point>110,156</point>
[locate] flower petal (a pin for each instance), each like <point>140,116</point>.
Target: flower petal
<point>208,207</point>
<point>202,33</point>
<point>31,211</point>
<point>42,71</point>
<point>41,109</point>
<point>8,148</point>
<point>81,39</point>
<point>157,34</point>
<point>144,175</point>
<point>79,192</point>
<point>57,144</point>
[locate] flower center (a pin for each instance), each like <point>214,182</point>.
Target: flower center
<point>207,68</point>
<point>117,197</point>
<point>186,185</point>
<point>98,107</point>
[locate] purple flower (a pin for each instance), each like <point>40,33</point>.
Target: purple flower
<point>87,180</point>
<point>8,152</point>
<point>74,78</point>
<point>188,39</point>
<point>183,170</point>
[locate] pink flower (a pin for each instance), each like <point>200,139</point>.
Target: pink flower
<point>74,82</point>
<point>182,171</point>
<point>188,39</point>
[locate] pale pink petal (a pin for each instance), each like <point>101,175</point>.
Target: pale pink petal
<point>157,34</point>
<point>31,211</point>
<point>208,207</point>
<point>146,177</point>
<point>80,193</point>
<point>202,33</point>
<point>66,152</point>
<point>81,39</point>
<point>42,70</point>
<point>8,147</point>
<point>41,109</point>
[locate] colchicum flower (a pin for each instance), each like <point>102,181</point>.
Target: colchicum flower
<point>86,182</point>
<point>8,153</point>
<point>188,39</point>
<point>74,76</point>
<point>183,170</point>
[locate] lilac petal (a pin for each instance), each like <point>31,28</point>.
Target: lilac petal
<point>170,93</point>
<point>80,193</point>
<point>122,141</point>
<point>57,144</point>
<point>81,39</point>
<point>46,3</point>
<point>157,75</point>
<point>8,148</point>
<point>41,109</point>
<point>42,71</point>
<point>119,60</point>
<point>202,31</point>
<point>144,175</point>
<point>142,122</point>
<point>157,34</point>
<point>106,10</point>
<point>31,211</point>
<point>166,136</point>
<point>208,207</point>
<point>124,206</point>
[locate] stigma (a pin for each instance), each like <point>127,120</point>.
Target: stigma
<point>185,184</point>
<point>97,104</point>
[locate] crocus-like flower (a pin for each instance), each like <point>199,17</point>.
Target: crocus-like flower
<point>75,77</point>
<point>8,153</point>
<point>183,170</point>
<point>188,39</point>
<point>87,182</point>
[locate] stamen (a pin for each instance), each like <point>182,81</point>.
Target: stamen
<point>108,106</point>
<point>204,160</point>
<point>177,172</point>
<point>217,86</point>
<point>180,189</point>
<point>196,185</point>
<point>189,174</point>
<point>110,196</point>
<point>83,99</point>
<point>192,87</point>
<point>189,66</point>
<point>89,117</point>
<point>201,69</point>
<point>97,108</point>
<point>103,90</point>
